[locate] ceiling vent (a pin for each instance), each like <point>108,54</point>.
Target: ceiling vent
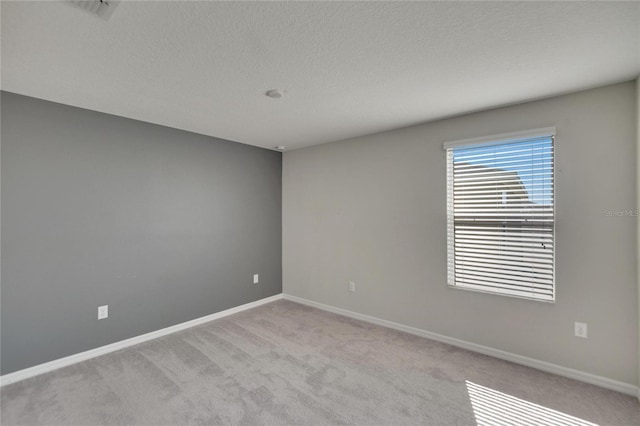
<point>101,8</point>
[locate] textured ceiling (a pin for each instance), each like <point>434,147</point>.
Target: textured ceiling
<point>349,68</point>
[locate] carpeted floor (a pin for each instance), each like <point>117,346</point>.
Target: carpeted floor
<point>285,363</point>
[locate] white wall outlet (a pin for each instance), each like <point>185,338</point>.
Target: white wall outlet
<point>580,329</point>
<point>352,286</point>
<point>256,278</point>
<point>103,312</point>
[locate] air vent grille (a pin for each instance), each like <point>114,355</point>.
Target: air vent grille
<point>101,8</point>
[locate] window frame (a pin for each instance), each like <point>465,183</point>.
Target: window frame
<point>485,141</point>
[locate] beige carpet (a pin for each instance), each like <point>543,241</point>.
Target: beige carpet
<point>284,363</point>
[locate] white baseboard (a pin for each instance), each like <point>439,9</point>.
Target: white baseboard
<point>102,350</point>
<point>508,356</point>
<point>496,353</point>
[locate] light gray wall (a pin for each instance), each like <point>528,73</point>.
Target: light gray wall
<point>162,225</point>
<point>373,210</point>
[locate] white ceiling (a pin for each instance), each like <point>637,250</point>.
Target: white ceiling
<point>349,68</point>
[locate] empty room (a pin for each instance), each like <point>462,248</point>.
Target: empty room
<point>319,213</point>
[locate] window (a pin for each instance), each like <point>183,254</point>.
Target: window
<point>500,214</point>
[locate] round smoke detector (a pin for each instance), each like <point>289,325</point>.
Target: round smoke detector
<point>275,93</point>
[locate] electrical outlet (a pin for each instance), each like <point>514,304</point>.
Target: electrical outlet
<point>352,286</point>
<point>580,329</point>
<point>256,278</point>
<point>103,312</point>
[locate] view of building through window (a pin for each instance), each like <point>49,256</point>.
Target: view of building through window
<point>526,170</point>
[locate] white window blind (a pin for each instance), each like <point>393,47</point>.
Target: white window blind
<point>500,213</point>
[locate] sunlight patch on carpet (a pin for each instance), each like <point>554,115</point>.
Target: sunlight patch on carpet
<point>491,407</point>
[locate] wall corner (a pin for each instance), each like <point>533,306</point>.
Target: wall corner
<point>638,216</point>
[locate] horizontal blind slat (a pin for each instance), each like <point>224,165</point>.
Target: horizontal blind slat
<point>503,263</point>
<point>518,245</point>
<point>505,286</point>
<point>507,269</point>
<point>548,296</point>
<point>492,237</point>
<point>527,280</point>
<point>504,254</point>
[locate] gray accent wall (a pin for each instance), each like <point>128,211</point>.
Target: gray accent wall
<point>163,225</point>
<point>373,210</point>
